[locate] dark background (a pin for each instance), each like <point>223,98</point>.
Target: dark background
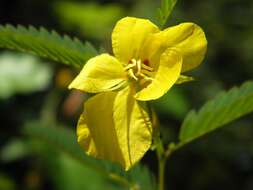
<point>221,160</point>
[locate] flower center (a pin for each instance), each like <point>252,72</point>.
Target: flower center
<point>138,69</point>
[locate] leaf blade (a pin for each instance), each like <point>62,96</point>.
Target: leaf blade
<point>165,11</point>
<point>218,112</point>
<point>45,44</point>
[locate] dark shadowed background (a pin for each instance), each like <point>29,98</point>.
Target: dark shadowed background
<point>33,91</point>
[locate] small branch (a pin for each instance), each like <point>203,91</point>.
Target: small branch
<point>161,156</point>
<point>120,180</point>
<point>161,173</point>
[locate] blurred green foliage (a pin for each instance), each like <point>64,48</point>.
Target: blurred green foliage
<point>6,183</point>
<point>14,150</point>
<point>175,103</point>
<point>22,74</point>
<point>222,160</point>
<point>91,19</point>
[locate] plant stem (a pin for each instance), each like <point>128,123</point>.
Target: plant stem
<point>161,156</point>
<point>161,173</point>
<point>120,180</point>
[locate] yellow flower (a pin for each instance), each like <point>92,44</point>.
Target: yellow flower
<point>115,124</point>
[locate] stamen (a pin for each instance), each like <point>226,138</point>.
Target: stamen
<point>146,77</point>
<point>130,66</point>
<point>131,73</point>
<point>146,72</point>
<point>138,67</point>
<point>146,67</point>
<point>139,70</point>
<point>134,61</point>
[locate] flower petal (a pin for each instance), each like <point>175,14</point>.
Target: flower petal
<point>84,137</point>
<point>133,126</point>
<point>129,35</point>
<point>167,73</point>
<point>115,127</point>
<point>189,39</point>
<point>96,130</point>
<point>101,73</point>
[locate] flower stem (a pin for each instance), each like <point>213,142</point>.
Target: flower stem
<point>161,173</point>
<point>162,157</point>
<point>162,154</point>
<point>120,180</point>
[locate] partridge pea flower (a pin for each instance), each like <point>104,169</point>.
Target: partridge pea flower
<point>147,62</point>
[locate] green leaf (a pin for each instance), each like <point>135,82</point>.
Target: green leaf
<point>183,79</point>
<point>223,109</point>
<point>46,44</point>
<point>165,10</point>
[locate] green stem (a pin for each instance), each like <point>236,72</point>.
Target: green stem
<point>161,173</point>
<point>162,154</point>
<point>120,180</point>
<point>162,157</point>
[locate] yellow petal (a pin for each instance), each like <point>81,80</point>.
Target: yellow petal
<point>190,39</point>
<point>169,69</point>
<point>129,35</point>
<point>96,130</point>
<point>133,126</point>
<point>84,137</point>
<point>101,73</point>
<point>115,127</point>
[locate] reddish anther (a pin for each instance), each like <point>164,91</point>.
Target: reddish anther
<point>146,62</point>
